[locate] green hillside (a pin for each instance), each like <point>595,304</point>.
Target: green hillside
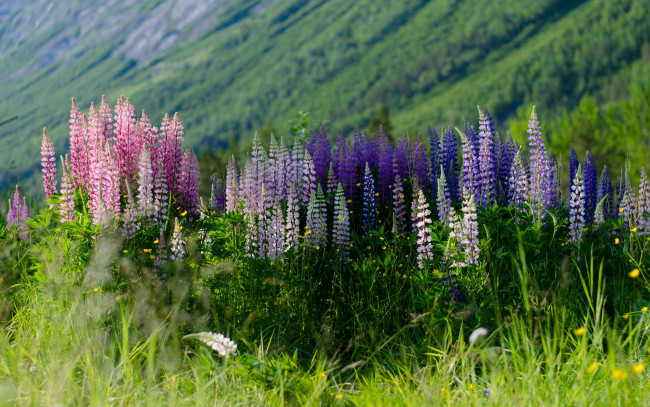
<point>429,62</point>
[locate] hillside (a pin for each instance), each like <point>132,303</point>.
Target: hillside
<point>229,67</point>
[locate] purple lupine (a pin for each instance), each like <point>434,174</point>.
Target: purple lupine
<point>385,167</point>
<point>292,224</point>
<point>508,152</point>
<point>425,247</point>
<point>232,186</point>
<point>518,182</point>
<point>130,219</point>
<point>471,175</point>
<point>171,150</point>
<point>48,164</point>
<point>400,159</point>
<point>577,208</point>
<point>341,225</point>
<point>256,176</point>
<point>449,161</point>
<point>643,205</point>
<point>160,194</point>
<point>399,212</point>
<point>369,214</point>
<point>555,196</point>
<point>621,186</point>
<point>419,162</point>
<point>217,195</point>
<point>606,192</point>
<point>78,146</point>
<point>339,158</point>
<point>145,184</point>
<point>127,142</point>
<point>486,160</point>
<point>539,169</point>
<point>443,199</point>
<point>472,136</point>
<point>451,283</point>
<point>283,169</point>
<point>357,147</point>
<point>589,181</point>
<point>315,231</point>
<point>573,165</point>
<point>297,166</point>
<point>189,179</point>
<point>331,185</point>
<point>247,186</point>
<point>434,157</point>
<point>319,148</point>
<point>627,209</point>
<point>469,239</point>
<point>308,179</point>
<point>67,192</point>
<point>15,210</point>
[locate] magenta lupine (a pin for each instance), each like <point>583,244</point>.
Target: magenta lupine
<point>315,231</point>
<point>518,182</point>
<point>189,187</point>
<point>78,146</point>
<point>128,142</point>
<point>171,150</point>
<point>443,199</point>
<point>160,194</point>
<point>399,209</point>
<point>145,184</point>
<point>101,215</point>
<point>308,184</point>
<point>48,164</point>
<point>67,192</point>
<point>469,239</point>
<point>232,186</point>
<point>130,219</point>
<point>471,175</point>
<point>98,166</point>
<point>292,224</point>
<point>643,205</point>
<point>178,243</point>
<point>539,186</point>
<point>486,160</point>
<point>341,225</point>
<point>424,240</point>
<point>577,208</point>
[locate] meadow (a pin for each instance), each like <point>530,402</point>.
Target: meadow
<point>460,268</point>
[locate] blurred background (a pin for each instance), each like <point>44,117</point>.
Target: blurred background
<point>234,68</point>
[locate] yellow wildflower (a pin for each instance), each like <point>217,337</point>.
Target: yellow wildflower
<point>592,368</point>
<point>125,251</point>
<point>184,213</point>
<point>580,331</point>
<point>339,396</point>
<point>156,241</point>
<point>96,289</point>
<point>634,229</point>
<point>644,309</point>
<point>626,316</point>
<point>146,250</point>
<point>616,240</point>
<point>638,368</point>
<point>152,257</point>
<point>619,374</point>
<point>634,273</point>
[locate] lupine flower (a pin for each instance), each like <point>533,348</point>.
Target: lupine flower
<point>555,196</point>
<point>425,247</point>
<point>177,243</point>
<point>590,180</point>
<point>434,155</point>
<point>385,173</point>
<point>471,176</point>
<point>171,150</point>
<point>263,225</point>
<point>67,192</point>
<point>369,216</point>
<point>224,346</point>
<point>605,191</point>
<point>469,239</point>
<point>477,334</point>
<point>111,183</point>
<point>275,231</point>
<point>599,213</point>
<point>217,195</point>
<point>315,231</point>
<point>18,213</point>
<point>283,168</point>
<point>160,194</point>
<point>145,184</point>
<point>271,168</point>
<point>105,118</point>
<point>189,187</point>
<point>251,242</point>
<point>232,186</point>
<point>451,283</point>
<point>449,162</point>
<point>399,212</point>
<point>444,201</point>
<point>48,163</point>
<point>577,208</point>
<point>400,159</point>
<point>292,225</point>
<point>128,142</point>
<point>518,183</point>
<point>643,205</point>
<point>508,152</point>
<point>130,220</point>
<point>320,150</point>
<point>331,184</point>
<point>539,169</point>
<point>297,166</point>
<point>341,225</point>
<point>573,165</point>
<point>487,165</point>
<point>418,162</point>
<point>308,179</point>
<point>78,146</point>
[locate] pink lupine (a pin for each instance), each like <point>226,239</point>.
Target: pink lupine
<point>189,187</point>
<point>105,118</point>
<point>111,182</point>
<point>171,151</point>
<point>78,145</point>
<point>130,219</point>
<point>128,142</point>
<point>145,184</point>
<point>48,162</point>
<point>97,169</point>
<point>15,209</point>
<point>67,192</point>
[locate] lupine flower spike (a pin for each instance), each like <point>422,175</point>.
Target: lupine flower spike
<point>48,162</point>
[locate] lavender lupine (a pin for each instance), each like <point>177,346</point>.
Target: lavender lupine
<point>160,194</point>
<point>341,225</point>
<point>590,182</point>
<point>271,168</point>
<point>472,135</point>
<point>130,220</point>
<point>577,208</point>
<point>518,182</point>
<point>178,243</point>
<point>606,192</point>
<point>424,240</point>
<point>171,150</point>
<point>627,209</point>
<point>399,212</point>
<point>308,179</point>
<point>292,224</point>
<point>67,192</point>
<point>449,161</point>
<point>486,160</point>
<point>643,205</point>
<point>469,239</point>
<point>14,215</point>
<point>189,187</point>
<point>263,224</point>
<point>48,164</point>
<point>471,175</point>
<point>232,186</point>
<point>369,215</point>
<point>283,168</point>
<point>443,199</point>
<point>539,169</point>
<point>145,184</point>
<point>315,230</point>
<point>79,162</point>
<point>297,162</point>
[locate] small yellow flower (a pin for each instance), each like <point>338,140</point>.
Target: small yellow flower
<point>184,213</point>
<point>580,331</point>
<point>322,375</point>
<point>592,368</point>
<point>156,241</point>
<point>358,184</point>
<point>619,374</point>
<point>644,309</point>
<point>638,368</point>
<point>634,273</point>
<point>634,229</point>
<point>96,289</point>
<point>621,210</point>
<point>384,247</point>
<point>349,201</point>
<point>125,251</point>
<point>118,298</point>
<point>339,396</point>
<point>377,194</point>
<point>616,240</point>
<point>626,316</point>
<point>470,387</point>
<point>146,250</point>
<point>317,247</point>
<point>152,257</point>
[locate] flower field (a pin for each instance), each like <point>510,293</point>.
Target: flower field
<point>460,268</point>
